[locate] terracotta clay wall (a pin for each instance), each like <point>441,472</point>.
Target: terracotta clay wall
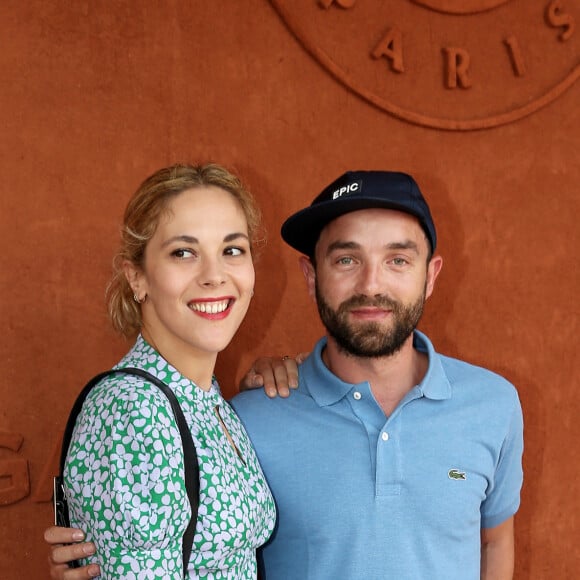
<point>478,99</point>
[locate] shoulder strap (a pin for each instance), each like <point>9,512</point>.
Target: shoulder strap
<point>189,453</point>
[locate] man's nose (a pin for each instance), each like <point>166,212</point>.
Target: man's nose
<point>371,280</point>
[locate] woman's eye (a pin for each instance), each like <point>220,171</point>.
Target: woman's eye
<point>234,251</point>
<point>182,253</point>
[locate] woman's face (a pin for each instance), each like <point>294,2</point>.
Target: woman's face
<point>198,275</point>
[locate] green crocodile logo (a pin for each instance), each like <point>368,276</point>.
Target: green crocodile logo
<point>456,474</point>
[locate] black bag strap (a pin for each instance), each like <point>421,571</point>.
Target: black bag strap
<point>189,453</point>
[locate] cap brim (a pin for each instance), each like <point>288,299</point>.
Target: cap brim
<point>302,230</point>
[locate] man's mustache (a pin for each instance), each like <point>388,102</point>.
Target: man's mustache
<point>383,302</point>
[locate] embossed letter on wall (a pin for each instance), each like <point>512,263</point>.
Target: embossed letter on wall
<point>447,64</point>
<point>14,479</point>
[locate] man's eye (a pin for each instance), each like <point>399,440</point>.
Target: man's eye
<point>399,261</point>
<point>345,261</point>
<point>182,253</point>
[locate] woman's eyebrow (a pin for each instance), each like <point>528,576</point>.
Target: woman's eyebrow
<point>181,238</point>
<point>235,236</point>
<point>193,240</point>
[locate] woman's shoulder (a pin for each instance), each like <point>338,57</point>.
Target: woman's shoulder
<point>123,399</point>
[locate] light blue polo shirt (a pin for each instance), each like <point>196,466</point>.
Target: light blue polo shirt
<point>365,496</point>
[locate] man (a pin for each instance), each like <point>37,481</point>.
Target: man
<point>389,460</point>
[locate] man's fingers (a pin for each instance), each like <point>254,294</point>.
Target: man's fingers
<point>63,572</point>
<point>83,573</point>
<point>63,554</point>
<point>55,535</point>
<point>60,556</point>
<point>57,572</point>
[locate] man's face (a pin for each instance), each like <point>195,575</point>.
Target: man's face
<point>371,280</point>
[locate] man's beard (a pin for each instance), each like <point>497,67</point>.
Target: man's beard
<point>370,340</point>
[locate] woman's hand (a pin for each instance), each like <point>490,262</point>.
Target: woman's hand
<point>276,375</point>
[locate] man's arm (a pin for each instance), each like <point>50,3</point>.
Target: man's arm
<point>60,554</point>
<point>497,551</point>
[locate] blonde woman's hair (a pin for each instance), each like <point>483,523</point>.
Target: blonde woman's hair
<point>142,215</point>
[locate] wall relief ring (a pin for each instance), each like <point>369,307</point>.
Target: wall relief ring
<point>445,64</point>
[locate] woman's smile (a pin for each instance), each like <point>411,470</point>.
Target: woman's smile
<point>212,309</point>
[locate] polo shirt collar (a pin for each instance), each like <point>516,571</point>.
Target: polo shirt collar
<point>327,389</point>
<point>324,387</point>
<point>435,383</point>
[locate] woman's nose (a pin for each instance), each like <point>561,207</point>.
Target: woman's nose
<point>212,274</point>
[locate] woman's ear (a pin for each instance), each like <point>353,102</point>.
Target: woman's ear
<point>136,279</point>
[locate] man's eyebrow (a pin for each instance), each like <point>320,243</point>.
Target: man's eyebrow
<point>193,240</point>
<point>344,245</point>
<point>406,245</point>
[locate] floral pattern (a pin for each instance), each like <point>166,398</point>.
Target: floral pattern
<point>125,479</point>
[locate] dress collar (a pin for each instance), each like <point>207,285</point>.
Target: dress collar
<point>144,356</point>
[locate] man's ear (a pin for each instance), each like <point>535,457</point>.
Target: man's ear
<point>136,279</point>
<point>309,275</point>
<point>433,269</point>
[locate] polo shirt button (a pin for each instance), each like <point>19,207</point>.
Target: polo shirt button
<point>384,436</point>
<point>357,396</point>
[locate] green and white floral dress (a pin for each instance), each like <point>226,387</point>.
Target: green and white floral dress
<point>125,479</point>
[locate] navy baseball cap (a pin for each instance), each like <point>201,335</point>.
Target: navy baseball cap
<point>353,191</point>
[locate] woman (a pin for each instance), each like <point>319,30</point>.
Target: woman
<point>184,280</point>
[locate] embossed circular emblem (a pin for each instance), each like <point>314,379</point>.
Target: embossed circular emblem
<point>447,64</point>
<point>461,6</point>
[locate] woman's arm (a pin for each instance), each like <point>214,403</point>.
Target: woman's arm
<point>277,375</point>
<point>124,479</point>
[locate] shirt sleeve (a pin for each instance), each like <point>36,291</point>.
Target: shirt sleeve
<point>126,481</point>
<point>503,496</point>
